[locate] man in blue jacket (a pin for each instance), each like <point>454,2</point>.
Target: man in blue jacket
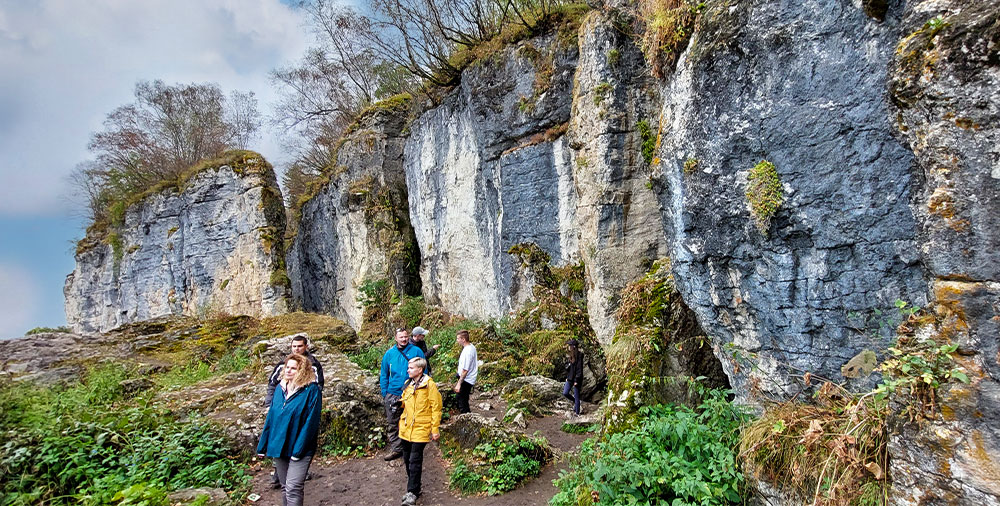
<point>391,379</point>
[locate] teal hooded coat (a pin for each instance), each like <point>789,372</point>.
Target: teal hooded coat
<point>292,424</point>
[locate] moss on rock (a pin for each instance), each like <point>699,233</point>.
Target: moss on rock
<point>657,349</point>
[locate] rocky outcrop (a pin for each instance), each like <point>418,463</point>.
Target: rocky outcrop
<point>489,168</point>
<point>621,230</point>
<point>356,228</point>
<point>210,243</point>
<point>943,83</point>
<point>801,86</point>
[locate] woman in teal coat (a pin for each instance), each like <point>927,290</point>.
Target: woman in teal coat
<point>291,427</point>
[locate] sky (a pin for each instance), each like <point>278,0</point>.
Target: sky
<point>64,65</point>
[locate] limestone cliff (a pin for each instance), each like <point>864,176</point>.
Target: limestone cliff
<point>489,168</point>
<point>944,85</point>
<point>211,243</point>
<point>621,231</point>
<point>801,86</point>
<point>356,228</point>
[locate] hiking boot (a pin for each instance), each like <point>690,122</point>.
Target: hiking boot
<point>392,456</point>
<point>409,499</point>
<point>274,481</point>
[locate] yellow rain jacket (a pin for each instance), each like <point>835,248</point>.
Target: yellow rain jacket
<point>421,410</point>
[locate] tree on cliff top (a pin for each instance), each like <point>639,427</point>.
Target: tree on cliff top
<point>165,131</point>
<point>396,46</point>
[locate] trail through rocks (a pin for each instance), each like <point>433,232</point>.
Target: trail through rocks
<point>370,481</point>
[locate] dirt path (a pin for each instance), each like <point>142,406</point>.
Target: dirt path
<point>374,482</point>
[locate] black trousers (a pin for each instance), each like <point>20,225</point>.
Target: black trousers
<point>413,459</point>
<point>463,397</point>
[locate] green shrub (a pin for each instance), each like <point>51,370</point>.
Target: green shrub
<point>499,466</point>
<point>369,357</point>
<point>84,444</point>
<point>373,293</point>
<point>678,455</point>
<point>412,309</point>
<point>464,478</point>
<point>40,330</point>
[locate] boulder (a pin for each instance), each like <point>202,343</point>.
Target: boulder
<point>200,496</point>
<point>468,430</point>
<point>545,392</point>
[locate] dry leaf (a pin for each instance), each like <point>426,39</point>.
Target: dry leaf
<point>807,377</point>
<point>874,469</point>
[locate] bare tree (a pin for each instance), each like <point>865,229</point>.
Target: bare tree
<point>166,130</point>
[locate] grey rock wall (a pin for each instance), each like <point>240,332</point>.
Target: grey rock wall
<point>621,229</point>
<point>489,168</point>
<point>802,85</point>
<point>356,229</point>
<point>944,84</point>
<point>213,246</point>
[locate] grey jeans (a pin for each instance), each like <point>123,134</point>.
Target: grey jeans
<point>292,476</point>
<point>392,414</point>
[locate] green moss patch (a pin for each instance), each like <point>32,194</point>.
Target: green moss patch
<point>764,194</point>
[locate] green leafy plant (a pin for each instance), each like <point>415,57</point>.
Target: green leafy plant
<point>374,292</point>
<point>690,165</point>
<point>496,467</point>
<point>614,56</point>
<point>648,140</point>
<point>85,444</point>
<point>39,330</point>
<point>677,455</point>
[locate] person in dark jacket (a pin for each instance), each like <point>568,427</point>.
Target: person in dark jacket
<point>292,427</point>
<point>574,374</point>
<point>391,378</point>
<point>300,345</point>
<point>417,337</point>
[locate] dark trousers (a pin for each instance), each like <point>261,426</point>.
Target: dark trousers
<point>392,414</point>
<point>575,397</point>
<point>463,397</point>
<point>413,459</point>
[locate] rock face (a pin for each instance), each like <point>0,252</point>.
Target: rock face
<point>489,168</point>
<point>943,83</point>
<point>803,87</point>
<point>212,245</point>
<point>356,229</point>
<point>621,230</point>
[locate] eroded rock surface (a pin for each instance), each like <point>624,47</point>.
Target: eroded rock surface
<point>621,229</point>
<point>944,85</point>
<point>489,168</point>
<point>212,245</point>
<point>356,229</point>
<point>803,87</point>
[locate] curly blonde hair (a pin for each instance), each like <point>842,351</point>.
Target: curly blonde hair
<point>305,374</point>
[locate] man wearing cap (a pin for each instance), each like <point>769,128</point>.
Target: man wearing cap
<point>417,338</point>
<point>391,380</point>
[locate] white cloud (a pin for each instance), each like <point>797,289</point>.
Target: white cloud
<point>67,63</point>
<point>18,301</point>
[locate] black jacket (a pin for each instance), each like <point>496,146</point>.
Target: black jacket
<point>275,377</point>
<point>574,370</point>
<point>428,353</point>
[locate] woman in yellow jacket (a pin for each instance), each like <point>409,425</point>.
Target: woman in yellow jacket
<point>419,423</point>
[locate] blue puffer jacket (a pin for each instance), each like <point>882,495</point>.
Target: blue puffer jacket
<point>394,364</point>
<point>292,424</point>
